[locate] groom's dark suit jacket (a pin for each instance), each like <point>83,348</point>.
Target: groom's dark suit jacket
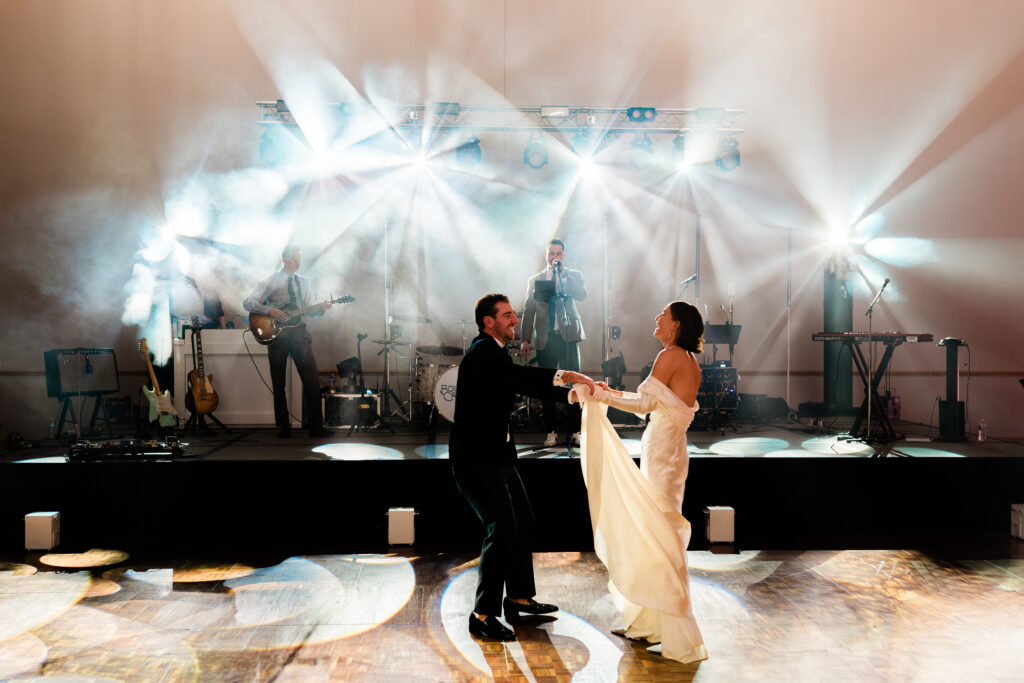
<point>484,398</point>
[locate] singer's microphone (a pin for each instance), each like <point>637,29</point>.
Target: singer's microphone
<point>885,283</point>
<point>556,264</point>
<point>688,280</point>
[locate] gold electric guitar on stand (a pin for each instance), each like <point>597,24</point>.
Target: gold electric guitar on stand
<point>265,329</point>
<point>160,406</point>
<point>200,385</point>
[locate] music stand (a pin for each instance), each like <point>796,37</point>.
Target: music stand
<point>543,290</point>
<point>722,334</point>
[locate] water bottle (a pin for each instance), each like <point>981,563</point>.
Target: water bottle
<point>982,430</point>
<point>332,382</point>
<point>53,429</point>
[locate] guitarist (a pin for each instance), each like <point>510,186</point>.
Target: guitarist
<point>274,296</point>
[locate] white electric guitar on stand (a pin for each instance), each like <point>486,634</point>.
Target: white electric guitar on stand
<point>160,406</point>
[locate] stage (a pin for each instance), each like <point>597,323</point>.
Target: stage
<point>792,484</point>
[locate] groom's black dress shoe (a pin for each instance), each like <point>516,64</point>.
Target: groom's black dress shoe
<point>489,628</point>
<point>513,610</point>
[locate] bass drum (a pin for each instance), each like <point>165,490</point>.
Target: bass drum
<point>431,363</point>
<point>428,372</point>
<point>444,393</point>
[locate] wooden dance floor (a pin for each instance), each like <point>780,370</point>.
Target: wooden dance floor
<point>772,616</point>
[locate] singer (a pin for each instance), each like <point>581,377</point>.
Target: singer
<point>551,318</point>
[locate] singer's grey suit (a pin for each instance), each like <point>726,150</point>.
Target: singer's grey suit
<point>536,313</point>
<point>558,329</point>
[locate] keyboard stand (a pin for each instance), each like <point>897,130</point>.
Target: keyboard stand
<point>878,411</point>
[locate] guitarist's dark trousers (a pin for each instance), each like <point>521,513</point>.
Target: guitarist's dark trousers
<point>299,345</point>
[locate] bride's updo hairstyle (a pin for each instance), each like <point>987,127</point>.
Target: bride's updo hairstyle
<point>690,334</point>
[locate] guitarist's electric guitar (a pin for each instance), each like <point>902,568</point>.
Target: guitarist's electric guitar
<point>160,406</point>
<point>265,329</point>
<point>200,385</point>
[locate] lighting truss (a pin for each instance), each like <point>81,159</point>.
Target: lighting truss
<point>450,116</point>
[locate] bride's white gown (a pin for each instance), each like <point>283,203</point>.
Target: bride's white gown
<point>639,531</point>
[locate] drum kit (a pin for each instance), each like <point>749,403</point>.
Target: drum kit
<point>433,372</point>
<point>433,375</point>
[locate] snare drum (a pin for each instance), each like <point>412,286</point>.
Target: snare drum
<point>444,393</point>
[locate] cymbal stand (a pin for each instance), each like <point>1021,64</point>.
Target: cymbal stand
<point>389,343</point>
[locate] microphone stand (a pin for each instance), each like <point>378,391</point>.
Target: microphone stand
<point>560,298</point>
<point>684,285</point>
<point>871,354</point>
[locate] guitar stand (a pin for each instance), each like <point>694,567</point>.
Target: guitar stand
<point>196,421</point>
<point>144,426</point>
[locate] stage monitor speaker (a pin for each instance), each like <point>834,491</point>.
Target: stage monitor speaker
<point>952,420</point>
<point>86,372</point>
<point>761,407</point>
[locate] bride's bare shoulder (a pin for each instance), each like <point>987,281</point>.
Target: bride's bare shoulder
<point>669,361</point>
<point>674,355</point>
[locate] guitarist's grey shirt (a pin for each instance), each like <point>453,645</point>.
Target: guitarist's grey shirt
<point>272,292</point>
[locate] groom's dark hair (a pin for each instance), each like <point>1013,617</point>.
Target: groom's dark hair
<point>487,305</point>
<point>690,334</point>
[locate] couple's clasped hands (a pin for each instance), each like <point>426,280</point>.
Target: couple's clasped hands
<point>570,377</point>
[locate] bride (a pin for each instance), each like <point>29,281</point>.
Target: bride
<point>639,531</point>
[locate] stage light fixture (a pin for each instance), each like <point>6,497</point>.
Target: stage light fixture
<point>710,113</point>
<point>641,114</point>
<point>613,369</point>
<point>727,157</point>
<point>583,143</point>
<point>679,143</point>
<point>554,112</point>
<point>535,154</point>
<point>279,145</point>
<point>468,153</point>
<point>270,147</point>
<point>641,152</point>
<point>446,108</point>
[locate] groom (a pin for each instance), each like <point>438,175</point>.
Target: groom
<point>483,458</point>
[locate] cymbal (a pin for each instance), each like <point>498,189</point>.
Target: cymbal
<point>441,350</point>
<point>393,342</point>
<point>411,318</point>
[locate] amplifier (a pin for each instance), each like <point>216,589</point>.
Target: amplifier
<point>85,372</point>
<point>346,410</point>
